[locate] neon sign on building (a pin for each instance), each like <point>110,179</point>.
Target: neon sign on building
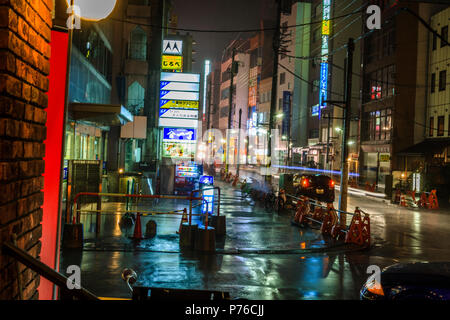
<point>324,53</point>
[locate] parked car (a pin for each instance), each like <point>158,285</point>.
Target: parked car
<point>319,187</point>
<point>411,281</point>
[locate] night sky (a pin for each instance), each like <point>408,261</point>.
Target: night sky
<point>221,15</point>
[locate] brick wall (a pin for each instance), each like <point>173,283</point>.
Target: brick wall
<point>24,66</point>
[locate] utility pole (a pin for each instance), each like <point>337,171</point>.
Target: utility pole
<point>230,106</point>
<point>239,143</point>
<point>328,141</point>
<point>273,97</point>
<point>346,133</point>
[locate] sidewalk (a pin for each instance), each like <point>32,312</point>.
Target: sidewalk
<point>250,229</point>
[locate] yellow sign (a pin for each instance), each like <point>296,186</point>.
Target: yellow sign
<point>326,27</point>
<point>385,157</point>
<point>172,63</point>
<point>180,104</point>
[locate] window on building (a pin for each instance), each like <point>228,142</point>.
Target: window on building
<point>431,133</point>
<point>378,125</point>
<point>225,94</point>
<point>280,103</point>
<point>444,34</point>
<point>433,82</point>
<point>440,126</point>
<point>282,78</point>
<point>138,44</point>
<point>136,98</point>
<point>442,79</point>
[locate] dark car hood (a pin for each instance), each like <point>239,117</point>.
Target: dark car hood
<point>417,273</point>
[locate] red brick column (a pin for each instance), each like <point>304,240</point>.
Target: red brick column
<point>24,67</point>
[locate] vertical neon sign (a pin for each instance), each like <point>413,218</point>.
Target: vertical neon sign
<point>205,80</point>
<point>324,54</point>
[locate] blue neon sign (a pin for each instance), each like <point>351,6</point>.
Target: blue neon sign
<point>209,180</point>
<point>208,204</point>
<point>179,134</point>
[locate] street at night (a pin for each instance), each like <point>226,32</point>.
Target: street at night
<point>232,153</point>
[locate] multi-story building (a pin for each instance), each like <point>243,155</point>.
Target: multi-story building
<point>136,68</point>
<point>394,95</point>
<point>292,89</point>
<point>427,162</point>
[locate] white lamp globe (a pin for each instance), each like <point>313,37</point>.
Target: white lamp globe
<point>94,10</point>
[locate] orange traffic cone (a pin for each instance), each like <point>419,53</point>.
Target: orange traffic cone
<point>184,219</point>
<point>137,235</point>
<point>432,200</point>
<point>403,200</point>
<point>423,202</point>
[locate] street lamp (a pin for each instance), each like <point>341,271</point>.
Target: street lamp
<point>93,10</point>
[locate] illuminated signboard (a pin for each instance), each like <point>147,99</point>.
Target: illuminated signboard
<point>178,149</point>
<point>180,77</point>
<point>178,113</point>
<point>326,5</point>
<point>179,86</point>
<point>315,110</point>
<point>172,63</point>
<point>208,204</point>
<point>179,100</point>
<point>206,180</point>
<point>179,95</point>
<point>326,27</point>
<point>178,123</point>
<point>179,134</point>
<point>323,83</point>
<point>178,104</point>
<point>173,47</point>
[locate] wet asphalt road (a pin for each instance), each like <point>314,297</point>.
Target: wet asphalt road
<point>398,235</point>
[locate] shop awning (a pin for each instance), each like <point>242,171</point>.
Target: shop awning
<point>428,146</point>
<point>101,114</point>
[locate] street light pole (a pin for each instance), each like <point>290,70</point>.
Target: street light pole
<point>273,97</point>
<point>346,133</point>
<point>239,144</point>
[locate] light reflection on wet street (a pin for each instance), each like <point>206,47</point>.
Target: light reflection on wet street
<point>398,235</point>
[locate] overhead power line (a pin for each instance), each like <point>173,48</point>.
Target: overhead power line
<point>231,31</point>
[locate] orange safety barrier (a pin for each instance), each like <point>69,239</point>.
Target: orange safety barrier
<point>302,210</point>
<point>329,219</point>
<point>359,230</point>
<point>423,201</point>
<point>432,200</point>
<point>403,200</point>
<point>318,214</point>
<point>413,196</point>
<point>370,187</point>
<point>137,234</point>
<point>235,181</point>
<point>184,219</point>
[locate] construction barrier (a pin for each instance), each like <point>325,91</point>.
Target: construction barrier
<point>423,201</point>
<point>432,200</point>
<point>403,200</point>
<point>74,212</point>
<point>358,232</point>
<point>235,180</point>
<point>426,200</point>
